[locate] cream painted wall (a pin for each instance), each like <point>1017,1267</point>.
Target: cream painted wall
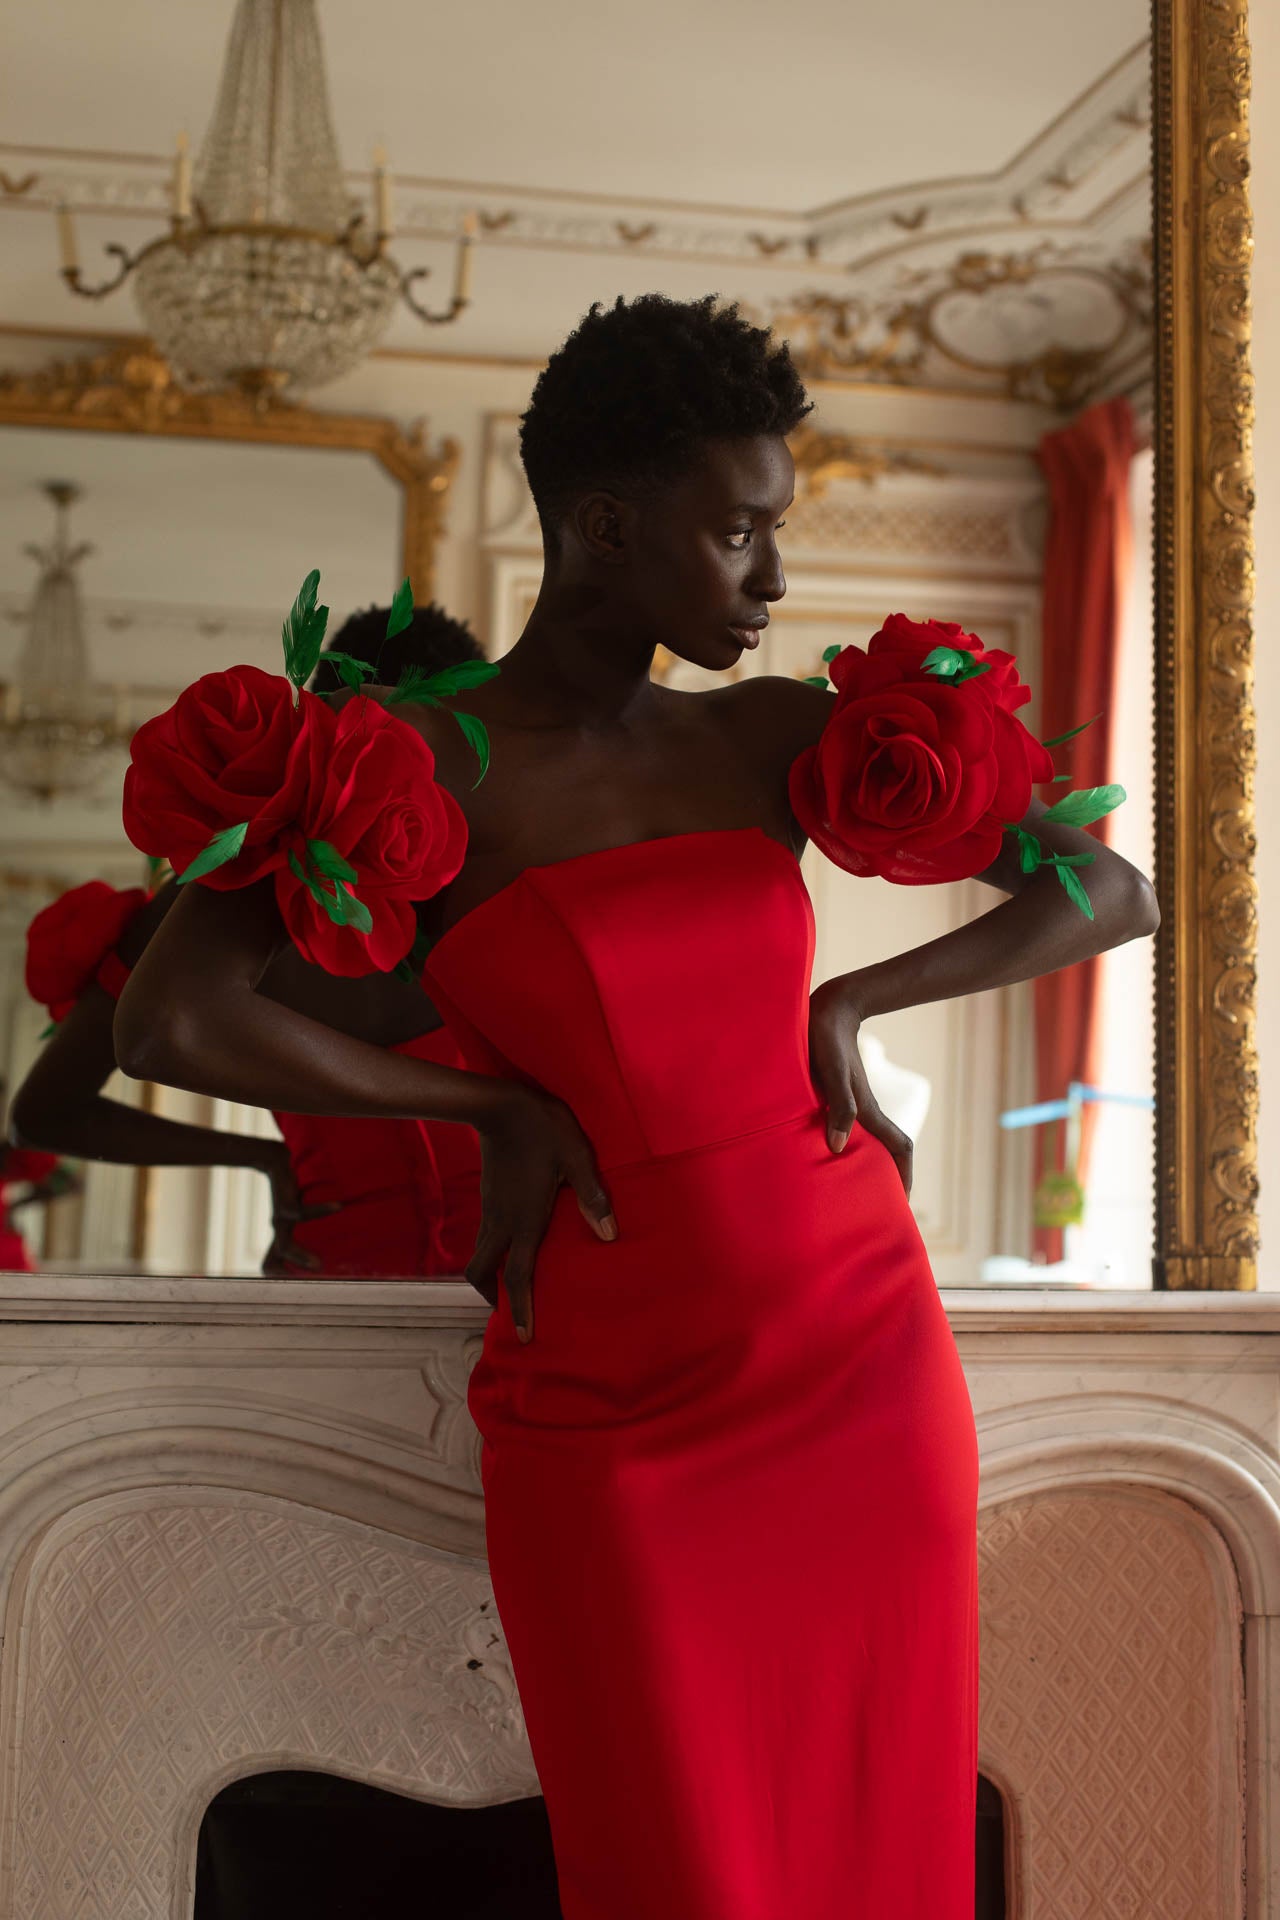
<point>1265,28</point>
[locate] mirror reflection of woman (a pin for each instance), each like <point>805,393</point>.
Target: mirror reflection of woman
<point>730,1464</point>
<point>365,1198</point>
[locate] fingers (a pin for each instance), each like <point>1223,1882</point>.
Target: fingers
<point>484,1266</point>
<point>900,1145</point>
<point>842,1113</point>
<point>594,1204</point>
<point>517,1278</point>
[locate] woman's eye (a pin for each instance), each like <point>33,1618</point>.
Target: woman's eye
<point>741,540</point>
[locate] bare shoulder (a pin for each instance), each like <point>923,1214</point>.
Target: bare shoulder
<point>774,718</point>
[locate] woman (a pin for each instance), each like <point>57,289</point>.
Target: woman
<point>363,1198</point>
<point>730,1463</point>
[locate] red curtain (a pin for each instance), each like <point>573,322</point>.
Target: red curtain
<point>1086,568</point>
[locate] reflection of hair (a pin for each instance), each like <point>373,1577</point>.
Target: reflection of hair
<point>634,391</point>
<point>433,639</point>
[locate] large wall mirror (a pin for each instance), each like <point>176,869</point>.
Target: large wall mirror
<point>1022,300</point>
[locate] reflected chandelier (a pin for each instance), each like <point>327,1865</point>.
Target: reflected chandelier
<point>269,277</point>
<point>57,727</point>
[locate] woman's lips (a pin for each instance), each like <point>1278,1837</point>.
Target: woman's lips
<point>747,636</point>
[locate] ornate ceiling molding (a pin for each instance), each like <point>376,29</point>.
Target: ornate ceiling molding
<point>1084,172</point>
<point>1059,325</point>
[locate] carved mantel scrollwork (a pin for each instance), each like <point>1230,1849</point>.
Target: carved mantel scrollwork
<point>132,389</point>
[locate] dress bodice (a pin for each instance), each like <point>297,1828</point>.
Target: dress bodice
<point>660,989</point>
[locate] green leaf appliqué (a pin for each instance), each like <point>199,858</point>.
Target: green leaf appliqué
<point>830,654</point>
<point>1089,804</point>
<point>476,735</point>
<point>955,664</point>
<point>1075,888</point>
<point>303,632</point>
<point>1071,732</point>
<point>401,614</point>
<point>224,846</point>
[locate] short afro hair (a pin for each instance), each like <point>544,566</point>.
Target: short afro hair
<point>432,640</point>
<point>636,389</point>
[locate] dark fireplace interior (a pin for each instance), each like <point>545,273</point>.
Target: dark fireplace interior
<point>307,1846</point>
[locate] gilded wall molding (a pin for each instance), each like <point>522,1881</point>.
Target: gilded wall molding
<point>1206,982</point>
<point>131,389</point>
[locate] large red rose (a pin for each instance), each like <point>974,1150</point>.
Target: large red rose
<point>68,941</point>
<point>380,806</point>
<point>915,777</point>
<point>233,747</point>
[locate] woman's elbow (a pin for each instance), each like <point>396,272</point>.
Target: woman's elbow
<point>32,1120</point>
<point>148,1040</point>
<point>1135,911</point>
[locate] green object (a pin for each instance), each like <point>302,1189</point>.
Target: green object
<point>830,654</point>
<point>224,846</point>
<point>401,614</point>
<point>1071,732</point>
<point>955,664</point>
<point>1075,887</point>
<point>353,672</point>
<point>328,861</point>
<point>50,1030</point>
<point>1082,808</point>
<point>476,735</point>
<point>303,633</point>
<point>340,904</point>
<point>816,680</point>
<point>1059,1200</point>
<point>428,689</point>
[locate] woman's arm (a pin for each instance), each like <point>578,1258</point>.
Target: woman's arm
<point>1037,930</point>
<point>61,1106</point>
<point>192,1016</point>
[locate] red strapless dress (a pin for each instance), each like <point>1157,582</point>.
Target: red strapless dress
<point>731,1485</point>
<point>19,1166</point>
<point>408,1190</point>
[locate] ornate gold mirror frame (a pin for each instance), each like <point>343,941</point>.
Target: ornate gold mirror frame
<point>131,390</point>
<point>1206,1058</point>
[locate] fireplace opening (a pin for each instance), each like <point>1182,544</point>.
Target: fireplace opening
<point>989,1888</point>
<point>310,1846</point>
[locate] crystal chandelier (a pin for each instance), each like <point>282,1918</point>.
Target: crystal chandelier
<point>269,277</point>
<point>56,725</point>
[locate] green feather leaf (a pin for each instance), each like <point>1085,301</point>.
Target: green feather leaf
<point>224,846</point>
<point>401,613</point>
<point>817,680</point>
<point>1073,859</point>
<point>1075,889</point>
<point>355,913</point>
<point>353,672</point>
<point>954,664</point>
<point>1031,853</point>
<point>412,689</point>
<point>460,678</point>
<point>327,860</point>
<point>50,1030</point>
<point>303,631</point>
<point>830,654</point>
<point>1058,738</point>
<point>476,735</point>
<point>406,973</point>
<point>1089,804</point>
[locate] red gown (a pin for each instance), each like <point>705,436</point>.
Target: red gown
<point>731,1485</point>
<point>19,1166</point>
<point>408,1190</point>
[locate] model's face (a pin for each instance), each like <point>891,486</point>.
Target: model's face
<point>703,566</point>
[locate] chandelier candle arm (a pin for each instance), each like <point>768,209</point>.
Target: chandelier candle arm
<point>268,279</point>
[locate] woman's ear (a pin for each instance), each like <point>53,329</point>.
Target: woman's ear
<point>602,523</point>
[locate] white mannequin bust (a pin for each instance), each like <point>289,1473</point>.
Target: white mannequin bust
<point>903,1094</point>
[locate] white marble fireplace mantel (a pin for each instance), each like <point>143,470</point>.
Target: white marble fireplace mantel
<point>241,1527</point>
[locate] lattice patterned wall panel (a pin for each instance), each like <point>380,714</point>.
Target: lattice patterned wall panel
<point>172,1647</point>
<point>1110,1706</point>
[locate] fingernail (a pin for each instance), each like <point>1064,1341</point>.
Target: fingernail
<point>838,1142</point>
<point>523,1334</point>
<point>609,1227</point>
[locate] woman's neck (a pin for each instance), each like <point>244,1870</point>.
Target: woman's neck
<point>579,662</point>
